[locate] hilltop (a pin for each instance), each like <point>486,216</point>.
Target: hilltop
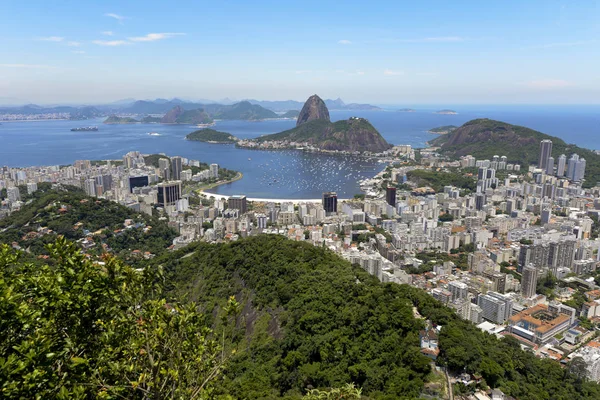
<point>443,130</point>
<point>178,115</point>
<point>314,127</point>
<point>484,138</point>
<point>211,136</point>
<point>115,120</point>
<point>243,110</point>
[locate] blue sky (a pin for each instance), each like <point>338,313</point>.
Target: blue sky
<point>385,52</point>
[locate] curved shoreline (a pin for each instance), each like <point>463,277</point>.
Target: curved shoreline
<point>214,185</point>
<point>264,200</point>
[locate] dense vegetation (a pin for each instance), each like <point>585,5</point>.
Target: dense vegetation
<point>437,180</point>
<point>151,120</point>
<point>484,138</point>
<point>211,135</point>
<point>79,330</point>
<point>242,110</point>
<point>354,134</point>
<point>113,119</point>
<point>443,129</point>
<point>308,319</point>
<point>76,216</point>
<point>194,117</point>
<point>265,318</point>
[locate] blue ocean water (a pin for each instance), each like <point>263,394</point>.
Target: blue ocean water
<point>279,174</point>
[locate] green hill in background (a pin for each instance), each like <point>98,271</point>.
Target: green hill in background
<point>484,138</point>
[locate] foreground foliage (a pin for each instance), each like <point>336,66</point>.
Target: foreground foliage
<point>83,330</point>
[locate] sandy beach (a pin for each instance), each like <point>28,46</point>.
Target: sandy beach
<point>261,200</point>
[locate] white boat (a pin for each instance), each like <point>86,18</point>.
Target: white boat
<point>153,133</point>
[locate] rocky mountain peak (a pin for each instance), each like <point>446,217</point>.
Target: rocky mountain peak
<point>314,108</point>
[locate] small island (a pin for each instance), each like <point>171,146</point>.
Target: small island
<point>442,130</point>
<point>115,120</point>
<point>151,120</point>
<point>446,112</point>
<point>406,110</point>
<point>211,136</point>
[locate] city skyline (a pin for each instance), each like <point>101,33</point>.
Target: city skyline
<point>433,53</point>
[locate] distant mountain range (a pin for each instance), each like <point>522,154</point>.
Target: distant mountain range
<point>334,105</point>
<point>253,109</point>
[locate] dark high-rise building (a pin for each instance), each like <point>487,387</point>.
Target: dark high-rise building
<point>176,167</point>
<point>479,201</point>
<point>545,153</point>
<point>239,203</point>
<point>168,193</point>
<point>330,202</point>
<point>137,181</point>
<point>390,196</point>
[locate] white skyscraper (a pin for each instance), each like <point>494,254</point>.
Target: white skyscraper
<point>214,170</point>
<point>562,162</point>
<point>572,166</point>
<point>579,170</point>
<point>550,166</point>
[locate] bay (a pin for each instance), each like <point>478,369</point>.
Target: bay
<point>276,174</point>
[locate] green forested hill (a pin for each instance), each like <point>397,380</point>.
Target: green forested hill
<point>309,319</point>
<point>74,215</point>
<point>484,138</point>
<point>273,319</point>
<point>211,135</point>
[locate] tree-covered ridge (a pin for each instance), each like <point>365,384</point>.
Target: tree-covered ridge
<point>115,120</point>
<point>442,130</point>
<point>437,179</point>
<point>243,110</point>
<point>354,134</point>
<point>309,318</point>
<point>484,138</point>
<point>78,217</point>
<point>211,135</point>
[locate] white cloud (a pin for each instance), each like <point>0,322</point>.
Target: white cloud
<point>118,17</point>
<point>151,37</point>
<point>52,39</point>
<point>549,84</point>
<point>32,66</point>
<point>110,42</point>
<point>73,44</point>
<point>390,72</point>
<point>303,71</point>
<point>78,52</point>
<point>344,41</point>
<point>107,33</point>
